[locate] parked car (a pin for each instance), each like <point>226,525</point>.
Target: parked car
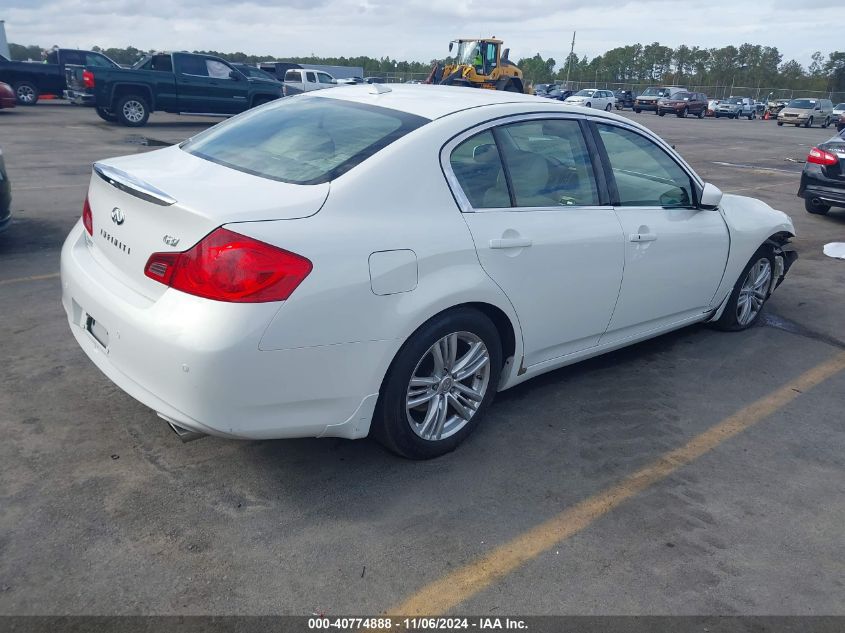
<point>823,177</point>
<point>735,107</point>
<point>253,72</point>
<point>711,107</point>
<point>840,124</point>
<point>684,103</point>
<point>7,96</point>
<point>807,112</point>
<point>624,99</point>
<point>650,97</point>
<point>5,195</point>
<point>375,80</point>
<point>224,262</point>
<point>30,80</point>
<point>592,98</point>
<point>558,93</point>
<point>541,90</point>
<point>169,82</point>
<point>838,110</point>
<point>351,81</point>
<point>299,80</point>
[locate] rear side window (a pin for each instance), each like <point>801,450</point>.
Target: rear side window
<point>478,167</point>
<point>310,77</point>
<point>540,163</point>
<point>162,63</point>
<point>303,140</point>
<point>292,75</point>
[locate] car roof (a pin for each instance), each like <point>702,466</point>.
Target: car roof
<point>431,102</point>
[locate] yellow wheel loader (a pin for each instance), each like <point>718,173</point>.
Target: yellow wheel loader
<point>479,63</point>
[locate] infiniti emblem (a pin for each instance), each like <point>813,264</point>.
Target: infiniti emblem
<point>117,216</point>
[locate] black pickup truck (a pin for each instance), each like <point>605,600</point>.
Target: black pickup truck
<point>30,80</point>
<point>181,83</point>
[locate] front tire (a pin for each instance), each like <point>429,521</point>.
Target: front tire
<point>826,123</point>
<point>26,94</point>
<point>608,108</point>
<point>683,114</point>
<point>702,113</point>
<point>661,113</point>
<point>809,122</point>
<point>816,208</point>
<point>132,111</point>
<point>439,385</point>
<point>637,110</point>
<point>750,292</point>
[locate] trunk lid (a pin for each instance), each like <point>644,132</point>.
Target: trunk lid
<point>837,148</point>
<point>168,200</point>
<point>73,77</point>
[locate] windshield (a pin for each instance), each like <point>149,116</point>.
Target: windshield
<point>302,140</point>
<point>467,52</point>
<point>584,93</point>
<point>735,101</point>
<point>802,104</point>
<point>839,106</point>
<point>655,92</point>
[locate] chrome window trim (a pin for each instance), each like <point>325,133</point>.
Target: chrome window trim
<point>457,191</point>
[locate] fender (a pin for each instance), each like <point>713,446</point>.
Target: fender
<point>143,90</point>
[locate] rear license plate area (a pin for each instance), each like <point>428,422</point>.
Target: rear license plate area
<point>97,331</point>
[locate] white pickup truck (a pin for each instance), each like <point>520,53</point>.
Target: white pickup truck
<point>304,80</point>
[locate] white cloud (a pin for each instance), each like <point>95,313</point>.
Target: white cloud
<point>413,29</point>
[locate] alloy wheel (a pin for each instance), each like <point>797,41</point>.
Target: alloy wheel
<point>133,111</point>
<point>26,94</point>
<point>754,290</point>
<point>448,386</point>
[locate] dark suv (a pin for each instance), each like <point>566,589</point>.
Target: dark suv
<point>684,103</point>
<point>624,99</point>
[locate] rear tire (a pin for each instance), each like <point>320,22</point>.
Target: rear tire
<point>750,293</point>
<point>132,111</point>
<point>816,208</point>
<point>780,124</point>
<point>412,432</point>
<point>661,114</point>
<point>26,94</point>
<point>105,114</point>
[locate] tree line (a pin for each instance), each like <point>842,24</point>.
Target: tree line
<point>749,65</point>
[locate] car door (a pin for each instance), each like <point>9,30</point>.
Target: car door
<point>538,211</point>
<point>675,253</point>
<point>324,80</point>
<point>205,85</point>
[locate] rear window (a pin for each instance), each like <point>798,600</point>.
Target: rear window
<point>303,140</point>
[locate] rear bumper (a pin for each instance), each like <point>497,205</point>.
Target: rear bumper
<point>833,196</point>
<point>80,98</point>
<point>197,362</point>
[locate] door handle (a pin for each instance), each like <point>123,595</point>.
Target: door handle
<point>643,237</point>
<point>510,242</point>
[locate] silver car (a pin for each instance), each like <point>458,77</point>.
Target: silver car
<point>807,112</point>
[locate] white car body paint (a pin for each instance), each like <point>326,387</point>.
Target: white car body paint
<point>313,365</point>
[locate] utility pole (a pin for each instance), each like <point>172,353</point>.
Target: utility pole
<point>569,59</point>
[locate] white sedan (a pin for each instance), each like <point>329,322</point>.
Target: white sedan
<point>592,98</point>
<point>381,261</point>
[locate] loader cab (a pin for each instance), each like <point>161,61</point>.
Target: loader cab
<point>472,50</point>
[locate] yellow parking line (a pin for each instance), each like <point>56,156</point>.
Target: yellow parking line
<point>456,587</point>
<point>18,280</point>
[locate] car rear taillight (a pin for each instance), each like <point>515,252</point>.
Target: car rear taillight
<point>87,79</point>
<point>87,217</point>
<point>820,157</point>
<point>228,266</point>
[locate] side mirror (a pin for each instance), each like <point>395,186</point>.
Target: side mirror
<point>505,54</point>
<point>234,74</point>
<point>711,196</point>
<point>451,44</point>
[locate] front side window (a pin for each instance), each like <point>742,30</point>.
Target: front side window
<point>303,140</point>
<point>189,65</point>
<point>645,175</point>
<point>217,69</point>
<point>323,78</point>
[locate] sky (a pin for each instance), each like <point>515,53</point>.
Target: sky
<point>417,30</point>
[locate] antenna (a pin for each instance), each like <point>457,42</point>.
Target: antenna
<point>379,89</point>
